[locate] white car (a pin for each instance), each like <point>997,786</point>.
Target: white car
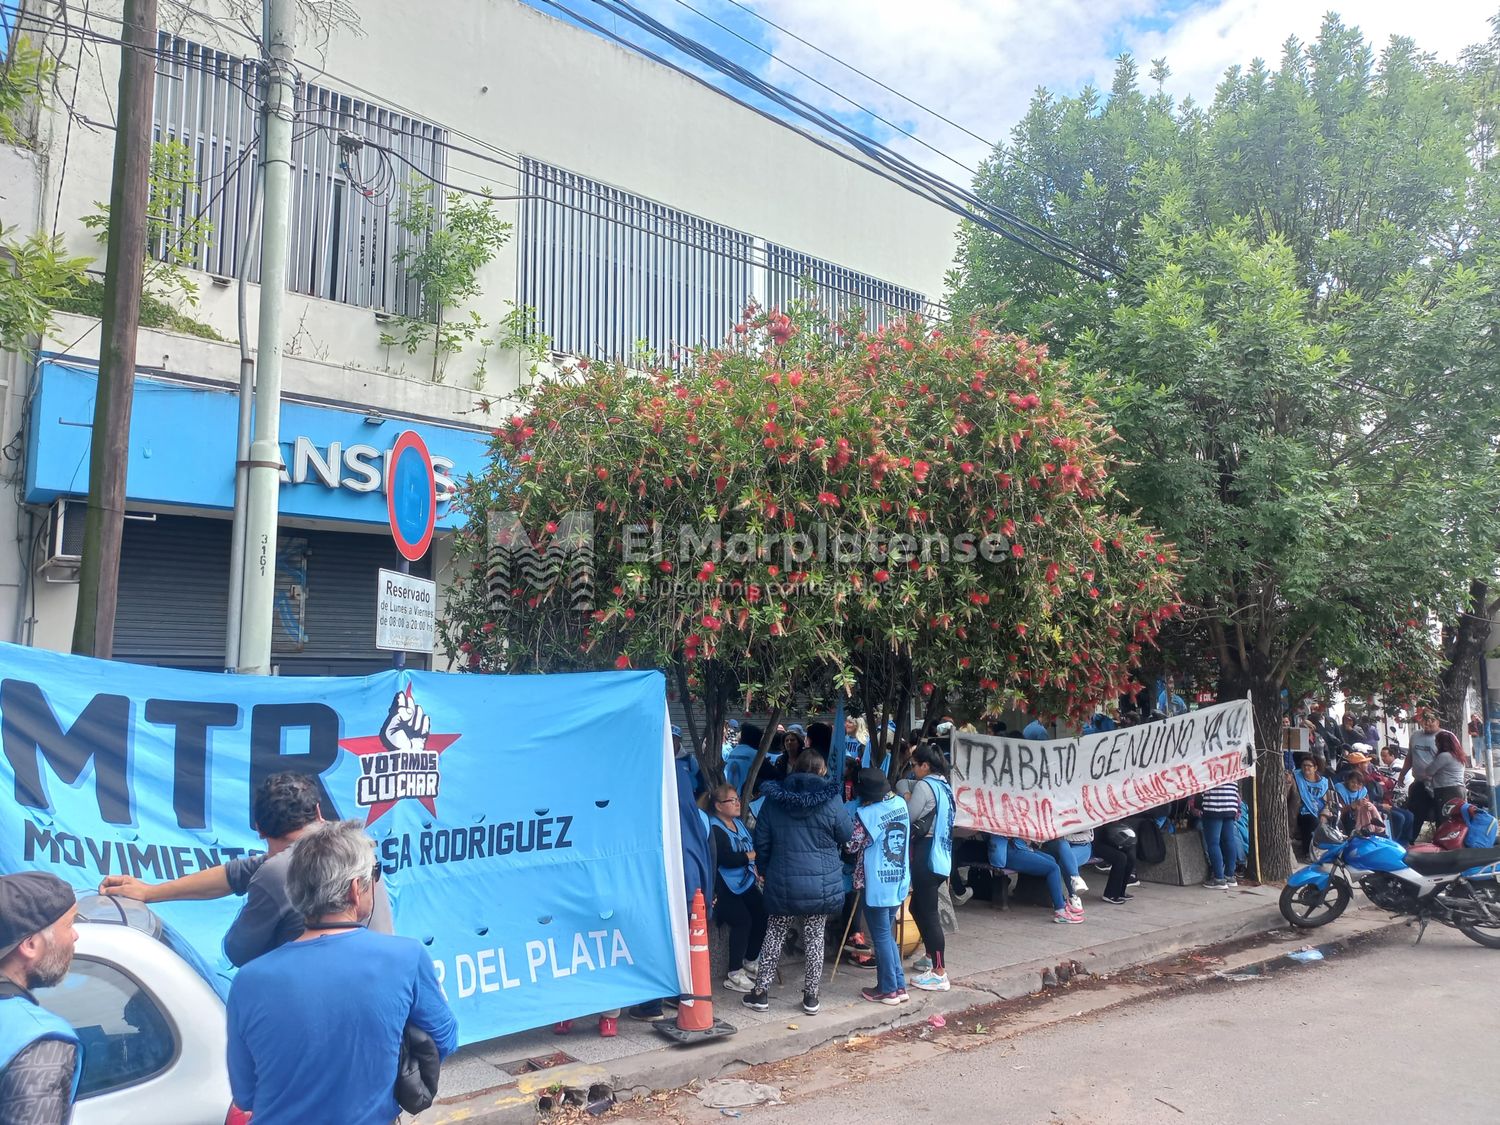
<point>150,1015</point>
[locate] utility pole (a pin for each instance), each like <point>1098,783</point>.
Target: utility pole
<point>124,274</point>
<point>264,470</point>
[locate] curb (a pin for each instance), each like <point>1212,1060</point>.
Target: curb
<point>668,1069</point>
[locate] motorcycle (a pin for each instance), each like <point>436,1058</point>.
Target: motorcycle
<point>1456,888</point>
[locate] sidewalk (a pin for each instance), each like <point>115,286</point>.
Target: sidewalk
<point>994,955</point>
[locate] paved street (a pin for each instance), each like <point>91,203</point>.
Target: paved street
<point>1387,1033</point>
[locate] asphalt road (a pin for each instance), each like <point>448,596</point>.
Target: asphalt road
<point>1391,1033</point>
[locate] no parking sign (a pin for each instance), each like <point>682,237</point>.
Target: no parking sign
<point>411,496</point>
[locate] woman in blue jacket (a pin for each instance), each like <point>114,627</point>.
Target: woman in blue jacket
<point>801,828</point>
<point>1312,795</point>
<point>930,804</point>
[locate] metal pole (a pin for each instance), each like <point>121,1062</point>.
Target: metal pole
<point>263,473</point>
<point>241,446</point>
<point>124,275</point>
<point>1490,771</point>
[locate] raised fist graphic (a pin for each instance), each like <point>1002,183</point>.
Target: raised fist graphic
<point>406,726</point>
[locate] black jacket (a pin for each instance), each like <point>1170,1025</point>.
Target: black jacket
<point>799,832</point>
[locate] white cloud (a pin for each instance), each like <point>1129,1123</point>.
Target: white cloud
<point>978,62</point>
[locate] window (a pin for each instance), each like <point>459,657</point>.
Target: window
<point>344,241</point>
<point>608,271</point>
<point>126,1037</point>
<point>835,288</point>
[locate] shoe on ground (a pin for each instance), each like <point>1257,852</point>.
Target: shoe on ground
<point>922,964</point>
<point>1099,865</point>
<point>931,982</point>
<point>902,996</point>
<point>752,967</point>
<point>874,995</point>
<point>757,1001</point>
<point>963,896</point>
<point>1215,884</point>
<point>1133,881</point>
<point>1079,886</point>
<point>1231,882</point>
<point>858,942</point>
<point>1115,900</point>
<point>1076,911</point>
<point>1075,904</point>
<point>739,981</point>
<point>609,1027</point>
<point>810,1003</point>
<point>1066,917</point>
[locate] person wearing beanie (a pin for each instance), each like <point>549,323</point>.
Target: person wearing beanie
<point>881,841</point>
<point>41,1058</point>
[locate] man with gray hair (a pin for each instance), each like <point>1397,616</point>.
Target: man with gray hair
<point>315,1025</point>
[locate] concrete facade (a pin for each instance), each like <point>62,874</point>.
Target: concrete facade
<point>499,78</point>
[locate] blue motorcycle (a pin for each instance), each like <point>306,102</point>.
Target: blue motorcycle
<point>1456,888</point>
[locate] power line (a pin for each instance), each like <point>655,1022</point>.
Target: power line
<point>897,170</point>
<point>854,69</point>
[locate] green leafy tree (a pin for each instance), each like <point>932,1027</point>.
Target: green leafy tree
<point>811,508</point>
<point>447,247</point>
<point>1298,337</point>
<point>35,274</point>
<point>24,74</point>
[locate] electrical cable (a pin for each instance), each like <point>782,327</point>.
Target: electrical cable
<point>908,177</point>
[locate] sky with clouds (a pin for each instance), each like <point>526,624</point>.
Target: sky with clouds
<point>978,62</point>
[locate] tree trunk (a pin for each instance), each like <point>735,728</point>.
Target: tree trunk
<point>1467,642</point>
<point>1270,837</point>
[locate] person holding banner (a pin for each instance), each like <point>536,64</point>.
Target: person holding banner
<point>880,841</point>
<point>285,807</point>
<point>801,829</point>
<point>929,802</point>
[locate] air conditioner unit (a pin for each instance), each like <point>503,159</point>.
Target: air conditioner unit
<point>62,540</point>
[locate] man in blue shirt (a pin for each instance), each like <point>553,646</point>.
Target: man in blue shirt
<point>315,1025</point>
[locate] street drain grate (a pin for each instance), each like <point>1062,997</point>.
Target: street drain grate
<point>536,1062</point>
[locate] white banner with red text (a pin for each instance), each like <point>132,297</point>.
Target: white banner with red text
<point>1046,790</point>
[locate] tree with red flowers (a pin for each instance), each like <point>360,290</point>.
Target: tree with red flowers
<point>923,507</point>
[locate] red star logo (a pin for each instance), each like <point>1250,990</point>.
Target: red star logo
<point>377,744</point>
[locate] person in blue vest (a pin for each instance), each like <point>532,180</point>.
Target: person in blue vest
<point>1035,731</point>
<point>41,1058</point>
<point>929,803</point>
<point>1312,796</point>
<point>742,757</point>
<point>880,842</point>
<point>737,899</point>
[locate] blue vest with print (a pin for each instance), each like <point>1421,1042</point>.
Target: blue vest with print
<point>22,1023</point>
<point>739,879</point>
<point>887,875</point>
<point>1312,794</point>
<point>942,826</point>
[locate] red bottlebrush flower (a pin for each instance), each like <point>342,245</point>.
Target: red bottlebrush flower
<point>487,627</point>
<point>819,443</point>
<point>966,468</point>
<point>828,499</point>
<point>882,575</point>
<point>721,483</point>
<point>1052,570</point>
<point>665,566</point>
<point>773,571</point>
<point>794,377</point>
<point>781,329</point>
<point>622,661</point>
<point>1017,550</point>
<point>1034,482</point>
<point>1020,631</point>
<point>906,345</point>
<point>708,569</point>
<point>551,527</point>
<point>920,470</point>
<point>602,473</point>
<point>1097,544</point>
<point>1161,558</point>
<point>1008,528</point>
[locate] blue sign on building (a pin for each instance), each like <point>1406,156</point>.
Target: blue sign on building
<point>182,450</point>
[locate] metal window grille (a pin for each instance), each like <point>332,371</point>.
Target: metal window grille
<point>345,244</point>
<point>610,273</point>
<point>836,289</point>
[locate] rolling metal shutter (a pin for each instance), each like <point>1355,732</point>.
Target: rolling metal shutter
<point>174,594</point>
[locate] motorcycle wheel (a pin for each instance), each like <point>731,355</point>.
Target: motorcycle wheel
<point>1307,907</point>
<point>1486,934</point>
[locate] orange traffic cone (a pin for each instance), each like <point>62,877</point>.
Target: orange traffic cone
<point>696,1012</point>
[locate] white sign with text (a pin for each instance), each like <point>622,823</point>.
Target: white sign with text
<point>405,613</point>
<point>1045,790</point>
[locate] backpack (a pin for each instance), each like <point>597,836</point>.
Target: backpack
<point>1150,844</point>
<point>1482,827</point>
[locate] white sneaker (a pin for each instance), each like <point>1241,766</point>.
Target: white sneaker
<point>1079,886</point>
<point>1076,903</point>
<point>931,982</point>
<point>752,967</point>
<point>963,896</point>
<point>739,981</point>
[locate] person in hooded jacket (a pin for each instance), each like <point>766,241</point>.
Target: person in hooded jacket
<point>801,828</point>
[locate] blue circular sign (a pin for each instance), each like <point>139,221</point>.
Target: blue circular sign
<point>411,496</point>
